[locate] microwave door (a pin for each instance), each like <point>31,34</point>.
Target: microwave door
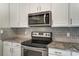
<point>37,19</point>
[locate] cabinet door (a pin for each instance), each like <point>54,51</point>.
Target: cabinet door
<point>14,15</point>
<point>24,10</point>
<point>4,15</point>
<point>59,14</point>
<point>7,51</point>
<point>74,14</point>
<point>45,6</point>
<point>0,47</point>
<point>16,49</point>
<point>34,7</point>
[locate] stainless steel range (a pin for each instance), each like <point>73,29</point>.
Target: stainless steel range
<point>37,46</point>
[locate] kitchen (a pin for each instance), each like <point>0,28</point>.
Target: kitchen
<point>51,28</point>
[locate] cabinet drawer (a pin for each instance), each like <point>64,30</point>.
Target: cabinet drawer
<point>75,53</point>
<point>59,52</point>
<point>51,54</point>
<point>7,43</point>
<point>16,45</point>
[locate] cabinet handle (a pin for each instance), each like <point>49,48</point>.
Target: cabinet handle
<point>37,9</point>
<point>40,8</point>
<point>10,50</point>
<point>71,21</point>
<point>58,52</point>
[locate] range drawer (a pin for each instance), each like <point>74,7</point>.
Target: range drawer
<point>59,52</point>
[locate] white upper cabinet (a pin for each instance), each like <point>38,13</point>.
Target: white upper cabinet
<point>38,7</point>
<point>34,7</point>
<point>14,15</point>
<point>45,6</point>
<point>59,14</point>
<point>74,14</point>
<point>4,15</point>
<point>24,10</point>
<point>19,14</point>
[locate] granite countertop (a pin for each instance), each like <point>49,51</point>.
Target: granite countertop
<point>53,44</point>
<point>60,45</point>
<point>64,45</point>
<point>16,40</point>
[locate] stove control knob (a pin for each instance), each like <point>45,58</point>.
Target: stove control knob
<point>48,34</point>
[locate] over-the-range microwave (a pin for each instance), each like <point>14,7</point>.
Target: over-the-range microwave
<point>40,18</point>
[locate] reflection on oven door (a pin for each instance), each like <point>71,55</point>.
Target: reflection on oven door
<point>31,53</point>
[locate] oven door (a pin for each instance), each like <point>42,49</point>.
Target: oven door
<point>33,51</point>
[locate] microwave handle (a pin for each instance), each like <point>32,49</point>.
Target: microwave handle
<point>44,18</point>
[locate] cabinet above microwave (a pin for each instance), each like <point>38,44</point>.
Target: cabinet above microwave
<point>40,18</point>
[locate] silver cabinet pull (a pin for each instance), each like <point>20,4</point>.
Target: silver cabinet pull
<point>37,9</point>
<point>71,21</point>
<point>58,52</point>
<point>11,51</point>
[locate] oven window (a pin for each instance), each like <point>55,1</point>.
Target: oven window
<point>31,53</point>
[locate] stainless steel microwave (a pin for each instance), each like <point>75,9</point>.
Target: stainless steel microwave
<point>40,18</point>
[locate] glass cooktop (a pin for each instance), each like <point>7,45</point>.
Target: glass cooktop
<point>32,44</point>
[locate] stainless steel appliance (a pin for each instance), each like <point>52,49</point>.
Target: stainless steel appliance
<point>37,46</point>
<point>40,19</point>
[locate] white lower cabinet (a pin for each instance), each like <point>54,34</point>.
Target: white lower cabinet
<point>58,52</point>
<point>7,48</point>
<point>11,49</point>
<point>0,47</point>
<point>16,49</point>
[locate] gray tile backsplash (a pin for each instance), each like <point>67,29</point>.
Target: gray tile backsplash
<point>59,34</point>
<point>7,33</point>
<point>27,31</point>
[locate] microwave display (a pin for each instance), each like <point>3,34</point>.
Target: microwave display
<point>39,19</point>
